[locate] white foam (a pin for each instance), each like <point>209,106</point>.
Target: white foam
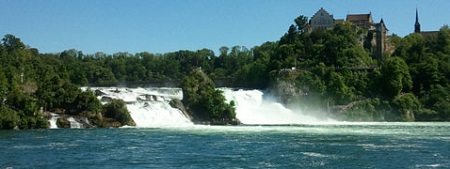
<point>252,108</point>
<point>74,123</point>
<point>53,120</point>
<point>149,107</point>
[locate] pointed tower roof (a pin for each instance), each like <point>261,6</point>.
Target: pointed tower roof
<point>417,24</point>
<point>381,26</point>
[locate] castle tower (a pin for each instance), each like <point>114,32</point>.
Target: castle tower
<point>381,33</point>
<point>417,24</point>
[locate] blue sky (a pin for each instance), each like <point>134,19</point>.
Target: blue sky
<point>160,26</point>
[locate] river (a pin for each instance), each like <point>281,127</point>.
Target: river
<point>338,145</point>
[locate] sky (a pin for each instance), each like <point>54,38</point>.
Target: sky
<point>161,26</point>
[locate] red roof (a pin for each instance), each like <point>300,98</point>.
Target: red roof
<point>358,17</point>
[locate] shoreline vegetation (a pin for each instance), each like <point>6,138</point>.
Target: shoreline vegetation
<point>328,71</point>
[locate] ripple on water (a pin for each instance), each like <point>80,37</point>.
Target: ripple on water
<point>229,147</point>
<point>432,166</point>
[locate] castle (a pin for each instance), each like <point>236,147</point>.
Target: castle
<point>374,39</point>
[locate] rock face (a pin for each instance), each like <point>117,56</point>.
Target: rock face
<point>63,123</point>
<point>76,121</point>
<point>285,87</point>
<point>175,103</point>
<point>106,99</point>
<point>285,90</point>
<point>109,122</point>
<point>99,93</point>
<point>299,90</point>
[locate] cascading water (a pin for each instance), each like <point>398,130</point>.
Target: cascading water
<point>53,120</point>
<point>252,108</point>
<point>74,123</point>
<point>149,107</point>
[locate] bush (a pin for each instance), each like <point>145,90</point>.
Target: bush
<point>117,110</point>
<point>406,105</point>
<point>9,118</point>
<point>205,102</point>
<point>87,102</point>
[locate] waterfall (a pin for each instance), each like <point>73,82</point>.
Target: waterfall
<point>149,107</point>
<point>74,123</point>
<point>253,108</point>
<point>53,120</point>
<point>157,114</point>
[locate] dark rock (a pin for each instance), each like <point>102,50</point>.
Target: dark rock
<point>106,99</point>
<point>197,118</point>
<point>175,103</point>
<point>148,97</point>
<point>109,122</point>
<point>47,115</point>
<point>63,122</point>
<point>99,93</point>
<point>84,121</point>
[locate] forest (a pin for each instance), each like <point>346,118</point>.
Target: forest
<point>322,69</point>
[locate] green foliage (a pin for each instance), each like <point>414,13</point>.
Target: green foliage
<point>368,110</point>
<point>11,43</point>
<point>9,119</point>
<point>437,99</point>
<point>118,111</point>
<point>301,23</point>
<point>29,80</point>
<point>406,106</point>
<point>335,68</point>
<point>429,67</point>
<point>338,90</point>
<point>395,77</point>
<point>206,102</point>
<point>41,122</point>
<point>87,102</point>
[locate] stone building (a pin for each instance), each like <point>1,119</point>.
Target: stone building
<point>374,36</point>
<point>361,20</point>
<point>338,21</point>
<point>321,20</point>
<point>381,39</point>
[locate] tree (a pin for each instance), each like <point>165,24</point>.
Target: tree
<point>395,77</point>
<point>301,22</point>
<point>291,34</point>
<point>436,99</point>
<point>204,101</point>
<point>338,89</point>
<point>117,110</point>
<point>406,106</point>
<point>87,102</point>
<point>9,118</point>
<point>12,43</point>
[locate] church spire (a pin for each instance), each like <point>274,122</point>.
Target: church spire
<point>417,24</point>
